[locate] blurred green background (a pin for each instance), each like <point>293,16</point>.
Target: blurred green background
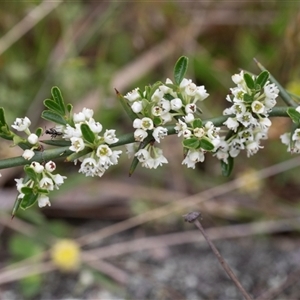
<point>88,48</point>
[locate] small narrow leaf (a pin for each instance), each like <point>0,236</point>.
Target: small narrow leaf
<point>53,106</point>
<point>57,96</point>
<point>16,206</point>
<point>87,133</point>
<point>180,69</point>
<point>262,78</point>
<point>227,168</point>
<point>2,117</point>
<point>249,81</point>
<point>39,131</point>
<point>53,117</point>
<point>206,144</point>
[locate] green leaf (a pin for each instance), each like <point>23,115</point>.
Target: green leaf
<point>247,98</point>
<point>28,200</point>
<point>53,106</point>
<point>262,78</point>
<point>69,108</point>
<point>294,115</point>
<point>227,168</point>
<point>87,133</point>
<point>30,173</point>
<point>180,69</point>
<point>57,96</point>
<point>76,155</point>
<point>249,81</point>
<point>197,123</point>
<point>53,117</point>
<point>206,144</point>
<point>2,117</point>
<point>153,88</point>
<point>157,121</point>
<point>192,143</point>
<point>39,131</point>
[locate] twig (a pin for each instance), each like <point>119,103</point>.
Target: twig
<point>273,292</point>
<point>34,16</point>
<point>193,218</point>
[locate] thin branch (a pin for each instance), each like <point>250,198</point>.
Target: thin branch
<point>29,21</point>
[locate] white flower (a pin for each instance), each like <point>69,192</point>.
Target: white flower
<point>137,123</point>
<point>296,135</point>
<point>199,132</point>
<point>110,136</point>
<point>238,78</point>
<point>77,144</point>
<point>180,127</point>
<point>147,124</point>
<point>298,109</point>
<point>140,135</point>
<point>232,124</point>
<point>21,124</point>
<point>166,117</point>
<point>133,95</point>
<point>257,107</point>
<point>115,156</point>
<point>130,149</point>
<point>46,183</point>
<point>165,105</point>
<point>58,180</point>
<point>137,107</point>
<point>28,154</point>
<point>159,158</point>
<point>96,127</point>
<point>79,118</point>
<point>252,148</point>
<point>19,183</point>
<point>32,138</point>
<point>159,133</point>
<point>192,157</point>
<point>247,119</point>
<point>271,90</point>
<point>142,155</point>
<point>189,118</point>
<point>43,200</point>
<point>285,138</point>
<point>50,166</point>
<point>201,93</point>
<point>187,133</point>
<point>37,167</point>
<point>157,95</point>
<point>89,167</point>
<point>156,111</point>
<point>239,109</point>
<point>103,151</point>
<point>176,104</point>
<point>190,108</point>
<point>264,123</point>
<point>72,132</point>
<point>88,113</point>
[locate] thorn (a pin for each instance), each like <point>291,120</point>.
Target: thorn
<point>117,92</point>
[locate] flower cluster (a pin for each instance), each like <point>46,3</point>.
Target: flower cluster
<point>84,134</point>
<point>41,182</point>
<point>252,100</point>
<point>198,139</point>
<point>292,139</point>
<point>22,124</point>
<point>157,106</point>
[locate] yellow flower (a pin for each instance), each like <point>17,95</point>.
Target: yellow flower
<point>65,255</point>
<point>251,183</point>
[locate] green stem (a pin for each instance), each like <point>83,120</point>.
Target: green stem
<point>63,152</point>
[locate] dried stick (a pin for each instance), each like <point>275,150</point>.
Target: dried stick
<point>193,218</point>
